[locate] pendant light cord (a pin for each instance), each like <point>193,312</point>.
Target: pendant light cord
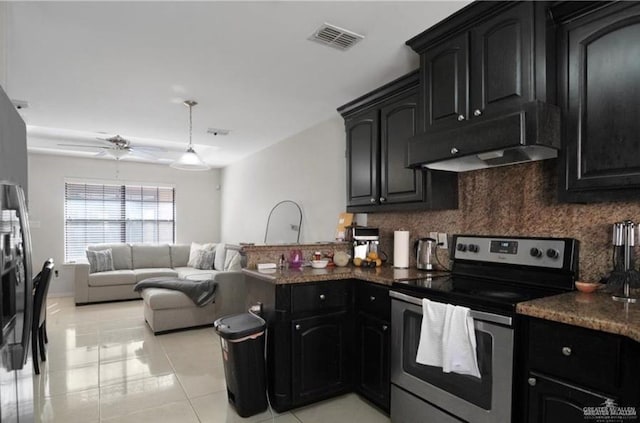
<point>190,124</point>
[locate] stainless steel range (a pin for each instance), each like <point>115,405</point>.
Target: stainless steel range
<point>490,275</point>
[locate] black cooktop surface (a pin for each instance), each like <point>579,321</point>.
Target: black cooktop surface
<point>476,293</point>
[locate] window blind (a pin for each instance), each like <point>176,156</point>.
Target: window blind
<point>97,214</point>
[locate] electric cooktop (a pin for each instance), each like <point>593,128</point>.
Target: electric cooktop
<point>496,273</point>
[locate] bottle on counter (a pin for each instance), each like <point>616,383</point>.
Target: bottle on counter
<point>282,262</point>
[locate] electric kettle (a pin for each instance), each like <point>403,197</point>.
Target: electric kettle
<point>423,248</point>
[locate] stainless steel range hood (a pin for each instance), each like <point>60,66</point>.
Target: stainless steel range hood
<point>529,133</point>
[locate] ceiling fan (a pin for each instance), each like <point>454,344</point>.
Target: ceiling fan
<point>118,147</point>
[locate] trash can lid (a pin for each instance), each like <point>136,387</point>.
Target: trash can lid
<point>238,326</point>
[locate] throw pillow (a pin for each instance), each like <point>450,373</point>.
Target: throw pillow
<point>194,252</point>
<point>204,259</point>
<point>100,261</point>
<point>232,261</point>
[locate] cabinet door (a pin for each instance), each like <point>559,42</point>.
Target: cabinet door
<point>444,81</point>
<point>600,90</point>
<point>398,123</point>
<point>501,61</point>
<point>373,352</point>
<point>319,356</point>
<point>362,159</point>
<point>553,401</point>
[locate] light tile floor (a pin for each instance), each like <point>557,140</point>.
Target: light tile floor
<point>105,365</point>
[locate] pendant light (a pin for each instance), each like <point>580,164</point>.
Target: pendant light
<point>190,159</point>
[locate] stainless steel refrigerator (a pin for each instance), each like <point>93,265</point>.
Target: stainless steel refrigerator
<point>16,307</point>
<point>16,296</point>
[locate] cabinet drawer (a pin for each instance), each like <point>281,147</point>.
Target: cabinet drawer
<point>584,356</point>
<point>374,299</point>
<point>319,296</point>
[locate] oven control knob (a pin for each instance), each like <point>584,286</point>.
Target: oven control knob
<point>535,252</point>
<point>461,247</point>
<point>473,248</point>
<point>552,254</point>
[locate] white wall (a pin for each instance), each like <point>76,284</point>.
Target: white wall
<point>197,203</point>
<point>3,45</point>
<point>308,168</point>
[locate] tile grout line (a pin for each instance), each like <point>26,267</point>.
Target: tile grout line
<point>175,374</point>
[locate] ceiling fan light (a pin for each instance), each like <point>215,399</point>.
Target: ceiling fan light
<point>190,161</point>
<point>117,153</point>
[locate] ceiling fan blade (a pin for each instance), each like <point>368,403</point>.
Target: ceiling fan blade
<point>104,141</point>
<point>80,146</point>
<point>101,154</point>
<point>149,149</point>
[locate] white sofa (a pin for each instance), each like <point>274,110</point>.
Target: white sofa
<point>135,262</point>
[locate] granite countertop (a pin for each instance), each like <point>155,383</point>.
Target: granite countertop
<point>592,311</point>
<point>384,275</point>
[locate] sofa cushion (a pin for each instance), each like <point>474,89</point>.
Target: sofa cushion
<point>179,254</point>
<point>183,272</point>
<point>146,256</point>
<point>120,252</point>
<point>153,272</point>
<point>100,261</point>
<point>114,277</point>
<point>221,254</point>
<point>160,298</point>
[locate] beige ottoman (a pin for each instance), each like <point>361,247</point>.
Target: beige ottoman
<point>166,310</point>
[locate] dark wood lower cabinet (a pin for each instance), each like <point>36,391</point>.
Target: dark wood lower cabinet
<point>320,356</point>
<point>373,377</point>
<point>325,339</point>
<point>567,368</point>
<point>553,401</point>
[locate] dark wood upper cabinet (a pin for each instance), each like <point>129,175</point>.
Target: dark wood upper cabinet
<point>482,66</point>
<point>378,126</point>
<point>600,94</point>
<point>362,155</point>
<point>398,123</point>
<point>487,82</point>
<point>501,56</point>
<point>444,77</point>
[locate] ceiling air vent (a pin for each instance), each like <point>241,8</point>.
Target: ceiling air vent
<point>218,131</point>
<point>335,37</point>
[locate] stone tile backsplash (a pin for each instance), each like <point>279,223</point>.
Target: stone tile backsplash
<point>271,253</point>
<point>517,200</point>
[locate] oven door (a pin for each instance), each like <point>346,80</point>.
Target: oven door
<point>484,400</point>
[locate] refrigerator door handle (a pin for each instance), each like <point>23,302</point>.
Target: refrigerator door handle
<point>23,348</point>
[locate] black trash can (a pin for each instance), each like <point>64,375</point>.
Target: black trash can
<point>242,339</point>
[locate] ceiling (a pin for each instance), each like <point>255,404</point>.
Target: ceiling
<point>96,69</point>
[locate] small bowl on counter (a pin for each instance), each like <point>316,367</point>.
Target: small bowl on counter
<point>587,287</point>
<point>319,264</point>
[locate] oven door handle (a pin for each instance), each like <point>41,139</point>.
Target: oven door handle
<point>477,315</point>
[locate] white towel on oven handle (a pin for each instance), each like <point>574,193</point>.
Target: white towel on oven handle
<point>459,342</point>
<point>430,347</point>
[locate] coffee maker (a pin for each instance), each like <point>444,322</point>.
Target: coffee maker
<point>365,239</point>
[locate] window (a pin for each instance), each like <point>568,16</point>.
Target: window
<point>116,213</point>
